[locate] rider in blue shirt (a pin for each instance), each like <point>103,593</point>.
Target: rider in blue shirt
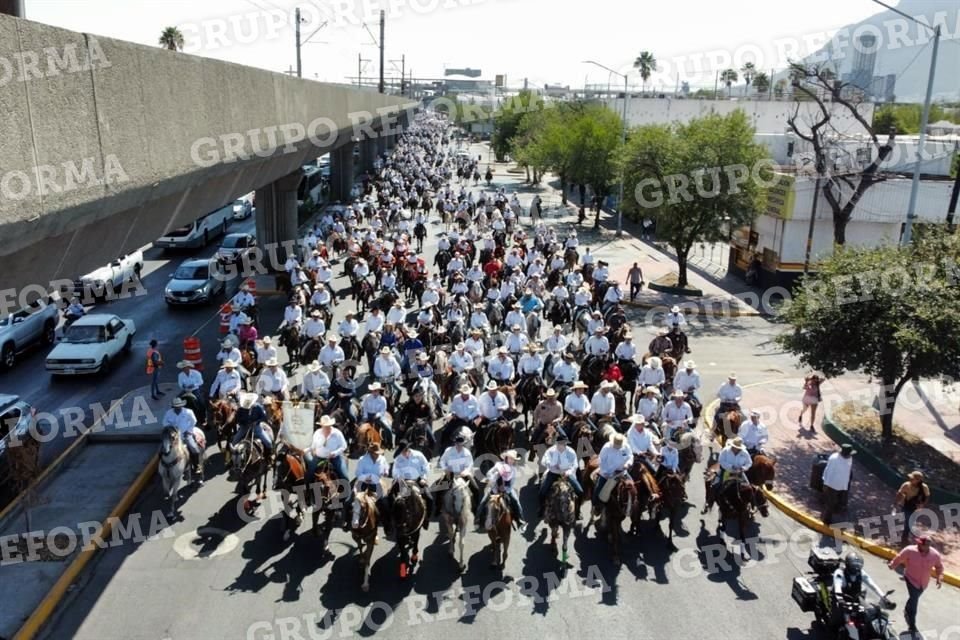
<point>530,302</point>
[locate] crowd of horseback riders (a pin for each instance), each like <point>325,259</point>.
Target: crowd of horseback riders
<point>459,340</point>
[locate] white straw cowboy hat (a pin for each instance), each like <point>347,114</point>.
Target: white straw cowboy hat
<point>550,393</point>
<point>655,362</point>
<point>617,439</point>
<point>492,386</point>
<point>465,388</point>
<point>737,443</point>
<point>675,309</point>
<point>579,384</point>
<point>178,402</point>
<point>677,394</point>
<point>653,390</point>
<point>384,351</point>
<point>267,340</point>
<point>423,357</point>
<point>313,367</point>
<point>229,364</point>
<point>689,364</point>
<point>512,453</point>
<point>662,331</point>
<point>247,400</point>
<point>637,418</point>
<point>183,364</point>
<point>375,387</point>
<point>315,313</point>
<point>331,337</point>
<point>272,362</point>
<point>327,421</point>
<point>227,342</point>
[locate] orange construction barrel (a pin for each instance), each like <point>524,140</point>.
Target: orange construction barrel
<point>226,311</point>
<point>191,352</point>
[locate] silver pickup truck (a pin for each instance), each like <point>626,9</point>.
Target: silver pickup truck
<point>22,328</point>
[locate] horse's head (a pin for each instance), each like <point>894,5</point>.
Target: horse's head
<point>169,439</point>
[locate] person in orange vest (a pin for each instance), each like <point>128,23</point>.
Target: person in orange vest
<point>154,363</point>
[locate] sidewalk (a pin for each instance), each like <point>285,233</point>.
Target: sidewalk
<point>871,500</point>
<point>91,483</point>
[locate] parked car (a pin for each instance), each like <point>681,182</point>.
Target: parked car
<point>22,328</point>
<point>109,278</point>
<point>16,417</point>
<point>235,246</point>
<point>91,344</point>
<point>243,207</point>
<point>196,281</point>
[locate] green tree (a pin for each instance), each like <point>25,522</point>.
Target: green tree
<point>728,77</point>
<point>506,123</point>
<point>892,313</point>
<point>646,63</point>
<point>749,71</point>
<point>761,82</point>
<point>171,39</point>
<point>691,179</point>
<point>885,120</point>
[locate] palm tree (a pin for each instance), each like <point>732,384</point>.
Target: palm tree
<point>647,64</point>
<point>761,82</point>
<point>749,71</point>
<point>728,77</point>
<point>171,39</point>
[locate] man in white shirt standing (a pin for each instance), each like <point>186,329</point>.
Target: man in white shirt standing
<point>836,481</point>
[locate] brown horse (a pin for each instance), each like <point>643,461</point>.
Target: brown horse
<point>223,417</point>
<point>648,493</point>
<point>690,452</point>
<point>561,506</point>
<point>672,498</point>
<point>409,514</point>
<point>498,525</point>
<point>761,474</point>
<point>365,533</point>
<point>735,499</point>
<point>727,426</point>
<point>621,504</point>
<point>497,437</point>
<point>367,434</point>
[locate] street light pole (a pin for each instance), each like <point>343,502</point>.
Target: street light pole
<point>921,140</point>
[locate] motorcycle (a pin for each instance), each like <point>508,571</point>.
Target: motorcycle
<point>856,619</point>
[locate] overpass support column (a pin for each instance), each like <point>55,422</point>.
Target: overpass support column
<point>381,143</point>
<point>368,153</point>
<point>276,220</point>
<point>341,172</point>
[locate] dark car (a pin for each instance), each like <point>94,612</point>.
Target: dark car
<point>235,246</point>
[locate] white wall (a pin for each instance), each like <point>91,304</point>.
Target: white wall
<point>767,116</point>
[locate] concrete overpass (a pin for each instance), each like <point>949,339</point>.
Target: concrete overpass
<point>105,145</point>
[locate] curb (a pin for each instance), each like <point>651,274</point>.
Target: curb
<point>812,523</point>
<point>45,609</point>
<point>699,311</point>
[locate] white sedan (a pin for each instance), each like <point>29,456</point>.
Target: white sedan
<point>90,345</point>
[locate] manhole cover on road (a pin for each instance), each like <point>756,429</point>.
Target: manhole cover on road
<point>205,542</point>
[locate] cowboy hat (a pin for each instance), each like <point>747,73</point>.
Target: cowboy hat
<point>737,443</point>
<point>245,319</point>
<point>313,367</point>
<point>327,421</point>
<point>460,346</point>
<point>178,402</point>
<point>247,400</point>
<point>375,386</point>
<point>227,342</point>
<point>315,313</point>
<point>229,364</point>
<point>422,356</point>
<point>636,418</point>
<point>915,475</point>
<point>606,384</point>
<point>579,384</point>
<point>655,362</point>
<point>332,337</point>
<point>272,362</point>
<point>502,351</point>
<point>754,412</point>
<point>652,389</point>
<point>384,351</point>
<point>617,439</point>
<point>510,453</point>
<point>183,364</point>
<point>733,375</point>
<point>674,309</point>
<point>267,340</point>
<point>492,386</point>
<point>677,394</point>
<point>515,327</point>
<point>465,388</point>
<point>550,393</point>
<point>598,330</point>
<point>689,364</point>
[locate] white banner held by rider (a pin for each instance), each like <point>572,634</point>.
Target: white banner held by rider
<point>297,427</point>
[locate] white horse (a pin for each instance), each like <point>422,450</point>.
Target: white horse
<point>174,461</point>
<point>456,517</point>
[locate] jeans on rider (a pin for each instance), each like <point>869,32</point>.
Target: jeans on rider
<point>383,512</point>
<point>192,447</point>
<point>515,508</point>
<point>550,477</point>
<point>258,432</point>
<point>313,462</point>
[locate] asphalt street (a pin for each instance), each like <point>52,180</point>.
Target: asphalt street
<point>153,319</point>
<point>215,574</point>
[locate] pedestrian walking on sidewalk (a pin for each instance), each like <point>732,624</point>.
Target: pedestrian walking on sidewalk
<point>647,227</point>
<point>636,280</point>
<point>919,562</point>
<point>154,364</point>
<point>811,398</point>
<point>913,494</point>
<point>836,482</point>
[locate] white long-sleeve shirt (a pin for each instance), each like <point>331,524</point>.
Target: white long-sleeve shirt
<point>576,405</point>
<point>314,327</point>
<point>501,369</point>
<point>370,470</point>
<point>316,383</point>
<point>626,350</point>
<point>456,462</point>
<point>560,462</point>
<point>226,382</point>
<point>492,408</point>
<point>731,460</point>
<point>597,345</point>
<point>410,468</point>
<point>685,381</point>
<point>642,441</point>
<point>272,381</point>
<point>671,458</point>
<point>465,409</point>
<point>190,381</point>
<point>650,377</point>
<point>292,315</point>
<point>753,435</point>
<point>836,474</point>
<point>331,355</point>
<point>613,459</point>
<point>374,405</point>
<point>386,367</point>
<point>676,416</point>
<point>729,392</point>
<point>603,404</point>
<point>184,421</point>
<point>565,371</point>
<point>328,446</point>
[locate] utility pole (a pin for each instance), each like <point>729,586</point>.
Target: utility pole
<point>359,69</point>
<point>12,8</point>
<point>382,28</point>
<point>403,74</point>
<point>954,195</point>
<point>296,19</point>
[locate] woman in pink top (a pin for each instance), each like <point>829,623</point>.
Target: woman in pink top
<point>811,398</point>
<point>919,561</point>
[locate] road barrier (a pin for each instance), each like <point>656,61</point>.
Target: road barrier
<point>226,311</point>
<point>191,352</point>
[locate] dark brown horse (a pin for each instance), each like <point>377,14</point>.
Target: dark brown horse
<point>367,434</point>
<point>498,526</point>
<point>497,437</point>
<point>727,426</point>
<point>223,418</point>
<point>297,493</point>
<point>365,533</point>
<point>409,515</point>
<point>621,504</point>
<point>736,501</point>
<point>672,498</point>
<point>648,493</point>
<point>762,474</point>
